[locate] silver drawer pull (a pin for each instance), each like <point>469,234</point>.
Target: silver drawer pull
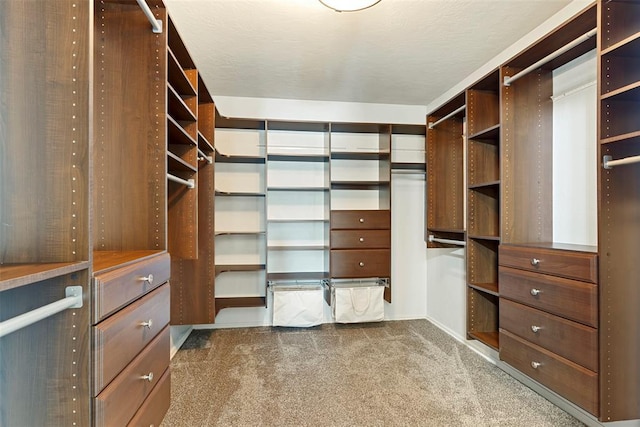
<point>148,278</point>
<point>361,239</point>
<point>361,264</point>
<point>536,365</point>
<point>535,292</point>
<point>147,324</point>
<point>535,262</point>
<point>148,377</point>
<point>361,220</point>
<point>535,328</point>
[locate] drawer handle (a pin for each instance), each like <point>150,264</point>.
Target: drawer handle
<point>361,239</point>
<point>535,328</point>
<point>148,278</point>
<point>535,292</point>
<point>361,220</point>
<point>147,324</point>
<point>536,365</point>
<point>148,377</point>
<point>535,262</point>
<point>361,264</point>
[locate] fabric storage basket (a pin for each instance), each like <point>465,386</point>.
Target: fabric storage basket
<point>357,303</point>
<point>297,306</point>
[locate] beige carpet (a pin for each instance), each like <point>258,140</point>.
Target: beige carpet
<point>406,373</point>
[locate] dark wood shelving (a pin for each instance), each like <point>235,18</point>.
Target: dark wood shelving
<point>204,144</point>
<point>483,185</point>
<point>490,288</point>
<point>178,134</point>
<point>16,275</point>
<point>239,302</point>
<point>230,268</point>
<point>491,133</point>
<point>323,158</point>
<point>175,163</point>
<point>631,137</point>
<point>298,275</point>
<point>356,155</point>
<point>219,193</point>
<point>177,76</point>
<point>490,338</point>
<point>358,185</point>
<point>225,158</point>
<point>178,108</point>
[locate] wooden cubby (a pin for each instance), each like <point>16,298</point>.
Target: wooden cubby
<point>483,208</point>
<point>445,173</point>
<point>619,199</point>
<point>240,213</point>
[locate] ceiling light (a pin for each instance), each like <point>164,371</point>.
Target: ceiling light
<point>349,5</point>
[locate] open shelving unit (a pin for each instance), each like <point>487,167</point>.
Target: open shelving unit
<point>240,213</point>
<point>619,197</point>
<point>297,202</point>
<point>445,174</point>
<point>483,208</point>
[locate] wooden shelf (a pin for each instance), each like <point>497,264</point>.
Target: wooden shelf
<point>490,288</point>
<point>225,158</point>
<point>239,233</point>
<point>483,185</point>
<point>238,194</point>
<point>16,275</point>
<point>629,137</point>
<point>364,155</point>
<point>483,237</point>
<point>358,185</point>
<point>239,302</point>
<point>630,92</point>
<point>447,230</point>
<point>490,338</point>
<point>298,275</point>
<point>104,261</point>
<point>175,163</point>
<point>177,77</point>
<point>177,134</point>
<point>321,158</point>
<point>204,144</point>
<point>178,109</point>
<point>230,268</point>
<point>491,134</point>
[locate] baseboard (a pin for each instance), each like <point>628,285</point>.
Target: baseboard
<point>179,335</point>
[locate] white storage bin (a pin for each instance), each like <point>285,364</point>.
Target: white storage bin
<point>297,306</point>
<point>357,303</point>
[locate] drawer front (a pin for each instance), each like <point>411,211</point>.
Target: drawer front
<point>572,381</point>
<point>365,239</point>
<point>121,337</point>
<point>360,263</point>
<point>566,298</point>
<point>120,400</point>
<point>360,220</point>
<point>571,340</point>
<point>115,289</point>
<point>570,264</point>
<point>153,410</point>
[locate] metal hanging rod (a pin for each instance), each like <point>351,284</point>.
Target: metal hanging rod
<point>203,156</point>
<point>451,114</point>
<point>191,183</point>
<point>156,24</point>
<point>609,163</point>
<point>434,239</point>
<point>73,299</point>
<point>510,79</point>
<point>572,91</point>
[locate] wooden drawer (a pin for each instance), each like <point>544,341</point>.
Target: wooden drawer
<point>564,263</point>
<point>153,410</point>
<point>359,220</point>
<point>355,263</point>
<point>120,400</point>
<point>366,239</point>
<point>571,340</point>
<point>570,380</point>
<point>117,340</point>
<point>566,298</point>
<point>115,289</point>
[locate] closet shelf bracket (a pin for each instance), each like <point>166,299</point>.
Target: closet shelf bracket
<point>609,163</point>
<point>156,24</point>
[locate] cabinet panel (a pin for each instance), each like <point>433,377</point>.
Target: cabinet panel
<point>571,340</point>
<point>120,338</point>
<point>570,380</point>
<point>120,400</point>
<point>567,298</point>
<point>346,263</point>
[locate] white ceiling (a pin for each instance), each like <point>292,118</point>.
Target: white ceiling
<point>397,52</point>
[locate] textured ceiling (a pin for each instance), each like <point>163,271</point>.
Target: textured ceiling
<point>397,52</point>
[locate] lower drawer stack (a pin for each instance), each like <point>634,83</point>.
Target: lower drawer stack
<point>131,344</point>
<point>549,318</point>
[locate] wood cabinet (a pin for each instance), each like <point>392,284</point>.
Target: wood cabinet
<point>549,323</point>
<point>619,200</point>
<point>445,173</point>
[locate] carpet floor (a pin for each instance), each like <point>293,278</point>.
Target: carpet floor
<point>401,373</point>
